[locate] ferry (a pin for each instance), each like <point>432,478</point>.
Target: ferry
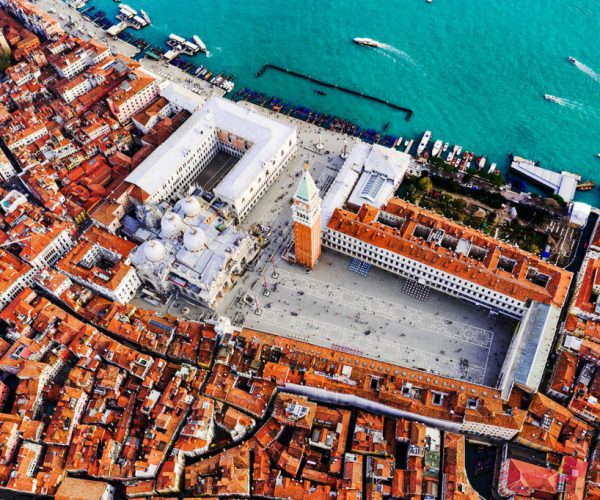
<point>572,60</point>
<point>201,45</point>
<point>367,42</point>
<point>551,98</point>
<point>437,147</point>
<point>424,142</point>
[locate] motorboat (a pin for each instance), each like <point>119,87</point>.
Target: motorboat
<point>424,142</point>
<point>368,42</point>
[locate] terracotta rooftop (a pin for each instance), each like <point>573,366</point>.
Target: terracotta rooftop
<point>491,264</point>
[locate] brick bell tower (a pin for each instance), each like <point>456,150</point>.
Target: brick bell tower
<point>306,213</point>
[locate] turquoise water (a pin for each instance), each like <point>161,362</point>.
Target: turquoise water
<point>474,72</point>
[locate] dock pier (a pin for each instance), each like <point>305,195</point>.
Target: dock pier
<point>408,111</point>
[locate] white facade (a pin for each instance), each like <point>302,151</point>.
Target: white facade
<point>423,274</point>
<point>371,174</point>
<point>263,146</point>
<point>7,171</point>
<point>71,93</point>
<point>123,292</point>
<point>382,172</point>
<point>78,60</point>
<point>55,249</point>
<point>23,281</point>
<point>125,108</point>
<point>33,135</point>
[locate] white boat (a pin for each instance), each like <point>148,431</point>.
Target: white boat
<point>201,45</point>
<point>481,163</point>
<point>424,142</point>
<point>450,156</point>
<point>446,146</point>
<point>127,10</point>
<point>598,155</point>
<point>437,148</point>
<point>145,15</point>
<point>367,42</point>
<point>458,151</point>
<point>551,98</point>
<point>492,168</point>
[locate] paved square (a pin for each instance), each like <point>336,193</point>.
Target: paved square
<point>371,315</point>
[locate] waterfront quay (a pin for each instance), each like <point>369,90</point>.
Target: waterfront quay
<point>160,69</point>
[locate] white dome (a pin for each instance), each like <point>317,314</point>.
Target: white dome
<point>193,239</point>
<point>171,225</point>
<point>154,250</point>
<point>190,206</point>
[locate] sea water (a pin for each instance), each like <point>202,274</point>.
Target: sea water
<point>473,71</point>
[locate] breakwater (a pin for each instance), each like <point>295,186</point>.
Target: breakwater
<point>409,112</point>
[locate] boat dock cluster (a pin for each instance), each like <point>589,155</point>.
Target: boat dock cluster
<point>178,46</point>
<point>324,120</point>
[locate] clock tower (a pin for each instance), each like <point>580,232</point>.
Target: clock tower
<point>306,214</point>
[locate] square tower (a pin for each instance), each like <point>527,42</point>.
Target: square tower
<point>306,214</point>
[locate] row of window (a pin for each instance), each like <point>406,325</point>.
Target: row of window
<point>440,280</point>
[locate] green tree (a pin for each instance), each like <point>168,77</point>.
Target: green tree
<point>425,184</point>
<point>459,204</point>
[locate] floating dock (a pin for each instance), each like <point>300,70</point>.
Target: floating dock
<point>562,183</point>
<point>408,111</point>
<point>117,28</point>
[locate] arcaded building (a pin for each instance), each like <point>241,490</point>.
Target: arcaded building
<point>260,146</point>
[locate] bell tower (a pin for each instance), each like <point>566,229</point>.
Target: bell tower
<point>306,214</point>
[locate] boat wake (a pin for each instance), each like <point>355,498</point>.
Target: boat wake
<point>393,53</point>
<point>567,103</point>
<point>587,70</point>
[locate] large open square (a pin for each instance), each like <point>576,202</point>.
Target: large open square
<point>379,316</point>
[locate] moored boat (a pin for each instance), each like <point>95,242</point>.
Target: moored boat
<point>437,148</point>
<point>585,186</point>
<point>145,16</point>
<point>424,142</point>
<point>201,45</point>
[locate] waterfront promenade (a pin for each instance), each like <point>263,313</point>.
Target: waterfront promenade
<point>162,70</point>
